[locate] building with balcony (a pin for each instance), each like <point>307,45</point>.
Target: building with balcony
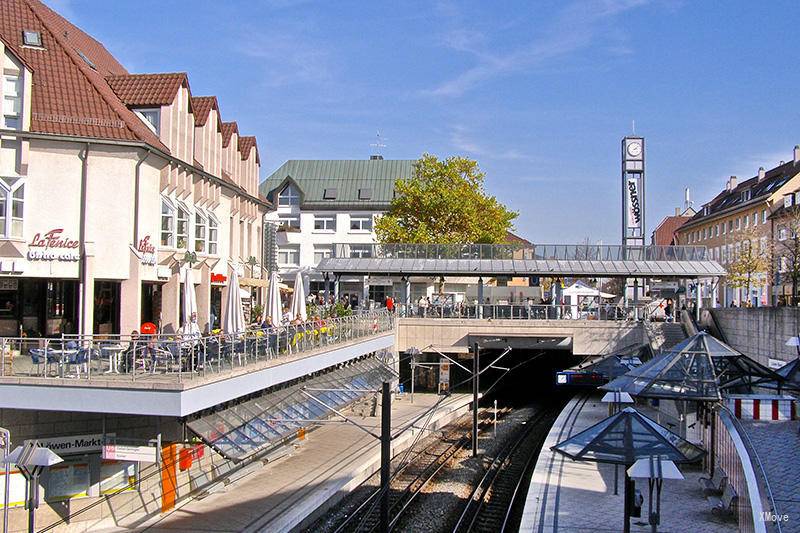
<point>108,182</point>
<point>740,216</point>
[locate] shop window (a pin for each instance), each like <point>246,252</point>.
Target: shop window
<point>12,102</point>
<point>200,226</point>
<point>213,234</point>
<point>151,302</point>
<point>12,204</point>
<point>289,196</point>
<point>106,307</point>
<point>182,228</point>
<point>167,223</point>
<point>361,223</point>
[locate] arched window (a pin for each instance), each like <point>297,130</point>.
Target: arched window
<point>289,196</point>
<point>12,203</point>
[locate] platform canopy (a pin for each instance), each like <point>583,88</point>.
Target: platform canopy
<point>699,368</point>
<point>625,437</point>
<point>243,429</point>
<point>552,260</point>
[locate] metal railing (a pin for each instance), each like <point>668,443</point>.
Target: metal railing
<point>567,252</point>
<point>525,312</point>
<point>177,357</point>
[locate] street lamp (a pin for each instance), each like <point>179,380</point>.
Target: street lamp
<point>31,459</point>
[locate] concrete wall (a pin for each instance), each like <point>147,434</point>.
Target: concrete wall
<point>589,337</point>
<point>760,332</point>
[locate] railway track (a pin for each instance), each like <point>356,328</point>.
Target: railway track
<point>411,477</point>
<point>490,507</point>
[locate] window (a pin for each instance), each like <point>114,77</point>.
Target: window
<point>781,234</point>
<point>724,226</point>
<point>12,102</point>
<point>360,223</point>
<point>200,227</point>
<point>86,59</point>
<point>764,216</point>
<point>716,230</point>
<point>787,200</point>
<point>358,251</point>
<point>746,221</point>
<point>755,219</point>
<point>289,221</point>
<point>12,203</point>
<point>330,194</point>
<point>322,251</point>
<point>167,222</point>
<point>213,234</point>
<point>31,38</point>
<point>289,255</point>
<point>365,194</point>
<point>738,223</point>
<point>289,196</point>
<point>182,228</point>
<point>151,118</point>
<point>746,195</point>
<point>325,222</point>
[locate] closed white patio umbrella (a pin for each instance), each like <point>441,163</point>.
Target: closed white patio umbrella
<point>190,327</point>
<point>274,308</point>
<point>298,307</point>
<point>234,323</point>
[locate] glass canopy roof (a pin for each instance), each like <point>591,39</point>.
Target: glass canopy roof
<point>625,437</point>
<point>698,368</point>
<point>241,430</point>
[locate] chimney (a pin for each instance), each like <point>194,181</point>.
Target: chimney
<point>761,173</point>
<point>731,183</point>
<point>797,154</point>
<point>677,211</point>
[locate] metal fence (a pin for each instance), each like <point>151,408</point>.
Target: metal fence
<point>177,357</point>
<point>567,252</point>
<point>526,312</point>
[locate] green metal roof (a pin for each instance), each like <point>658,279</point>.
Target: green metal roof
<point>346,176</point>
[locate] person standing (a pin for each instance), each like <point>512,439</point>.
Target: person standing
<point>390,304</point>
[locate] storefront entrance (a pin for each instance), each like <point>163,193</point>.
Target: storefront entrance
<point>106,307</point>
<point>215,318</point>
<point>38,308</point>
<point>151,302</point>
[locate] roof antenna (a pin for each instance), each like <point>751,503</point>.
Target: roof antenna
<point>633,127</point>
<point>378,144</point>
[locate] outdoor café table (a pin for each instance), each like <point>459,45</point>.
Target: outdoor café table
<point>56,356</point>
<point>114,352</point>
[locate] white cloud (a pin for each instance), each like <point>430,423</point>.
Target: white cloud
<point>289,57</point>
<point>576,27</point>
<point>462,140</point>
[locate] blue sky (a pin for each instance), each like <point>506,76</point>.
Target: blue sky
<point>539,92</point>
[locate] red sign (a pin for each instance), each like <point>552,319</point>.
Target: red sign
<point>52,239</point>
<point>145,247</point>
<point>218,278</point>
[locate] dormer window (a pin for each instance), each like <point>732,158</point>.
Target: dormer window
<point>746,195</point>
<point>32,38</point>
<point>365,194</point>
<point>706,210</point>
<point>330,193</point>
<point>86,59</point>
<point>787,200</point>
<point>151,118</point>
<point>289,196</point>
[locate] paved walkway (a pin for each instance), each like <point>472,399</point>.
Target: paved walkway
<point>778,447</point>
<point>280,495</point>
<point>576,497</point>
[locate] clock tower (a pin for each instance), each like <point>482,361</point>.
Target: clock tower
<point>633,228</point>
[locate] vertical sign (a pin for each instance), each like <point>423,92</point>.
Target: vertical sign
<point>444,376</point>
<point>634,204</point>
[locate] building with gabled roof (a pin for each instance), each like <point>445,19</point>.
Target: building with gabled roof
<point>130,170</point>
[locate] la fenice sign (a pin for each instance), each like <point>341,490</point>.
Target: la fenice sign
<point>53,246</point>
<point>147,251</point>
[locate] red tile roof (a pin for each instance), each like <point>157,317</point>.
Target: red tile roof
<point>148,89</point>
<point>246,144</point>
<point>228,128</point>
<point>68,96</point>
<point>512,238</point>
<point>202,106</point>
<point>665,233</point>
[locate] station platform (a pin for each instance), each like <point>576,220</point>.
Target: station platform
<point>568,496</point>
<point>292,491</point>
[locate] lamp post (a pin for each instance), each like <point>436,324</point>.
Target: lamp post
<point>31,459</point>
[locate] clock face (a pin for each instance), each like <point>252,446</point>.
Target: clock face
<point>634,149</point>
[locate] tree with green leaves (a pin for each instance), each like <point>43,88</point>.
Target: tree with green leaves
<point>750,262</point>
<point>444,201</point>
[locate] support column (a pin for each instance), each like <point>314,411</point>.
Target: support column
<point>336,287</point>
<point>170,303</point>
<point>86,284</point>
<point>130,293</point>
<point>365,293</point>
<point>698,300</point>
<point>203,293</point>
<point>327,292</point>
